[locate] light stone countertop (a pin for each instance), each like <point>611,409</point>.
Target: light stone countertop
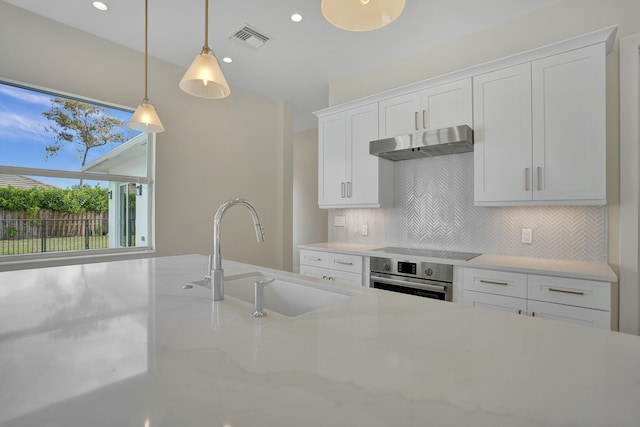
<point>120,343</point>
<point>599,271</point>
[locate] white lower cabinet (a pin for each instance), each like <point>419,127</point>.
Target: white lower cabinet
<point>585,302</point>
<point>331,266</point>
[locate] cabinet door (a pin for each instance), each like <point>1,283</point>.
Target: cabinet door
<point>502,135</point>
<point>565,313</point>
<point>399,115</point>
<point>494,302</point>
<point>363,175</point>
<point>332,160</point>
<point>446,105</point>
<point>569,135</point>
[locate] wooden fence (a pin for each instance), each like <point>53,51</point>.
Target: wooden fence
<point>18,225</point>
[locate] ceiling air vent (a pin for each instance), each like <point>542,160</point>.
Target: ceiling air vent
<point>249,37</point>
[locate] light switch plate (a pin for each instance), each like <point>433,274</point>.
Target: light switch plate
<point>339,221</point>
<point>527,236</point>
<point>365,230</point>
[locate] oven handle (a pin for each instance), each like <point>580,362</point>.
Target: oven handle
<point>408,284</point>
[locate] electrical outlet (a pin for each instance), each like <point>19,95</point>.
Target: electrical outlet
<point>527,236</point>
<point>339,221</point>
<point>365,230</point>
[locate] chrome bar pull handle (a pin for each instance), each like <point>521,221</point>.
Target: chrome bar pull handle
<point>416,121</point>
<point>526,179</point>
<point>566,292</point>
<point>342,190</point>
<point>539,177</point>
<point>491,282</point>
<point>424,119</point>
<point>348,189</point>
<point>337,261</point>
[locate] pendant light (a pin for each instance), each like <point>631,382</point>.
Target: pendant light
<point>145,118</point>
<point>204,77</point>
<point>361,15</point>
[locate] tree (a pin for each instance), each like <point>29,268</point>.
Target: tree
<point>85,125</point>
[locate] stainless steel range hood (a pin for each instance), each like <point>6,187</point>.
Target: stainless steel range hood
<point>429,143</point>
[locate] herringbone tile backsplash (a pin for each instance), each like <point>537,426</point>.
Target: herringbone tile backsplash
<point>433,208</point>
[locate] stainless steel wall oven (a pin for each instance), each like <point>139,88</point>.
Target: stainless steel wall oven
<point>426,279</point>
<point>423,279</point>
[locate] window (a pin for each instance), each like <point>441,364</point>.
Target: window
<point>74,180</point>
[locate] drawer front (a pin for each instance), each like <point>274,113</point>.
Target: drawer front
<point>345,262</point>
<point>344,276</point>
<point>576,292</point>
<point>495,302</point>
<point>310,271</point>
<point>495,282</point>
<point>313,258</point>
<point>565,313</point>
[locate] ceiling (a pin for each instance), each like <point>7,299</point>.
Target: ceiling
<point>300,59</point>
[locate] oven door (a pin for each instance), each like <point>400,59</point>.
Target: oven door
<point>407,285</point>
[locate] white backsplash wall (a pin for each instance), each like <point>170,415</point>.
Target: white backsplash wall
<point>433,208</point>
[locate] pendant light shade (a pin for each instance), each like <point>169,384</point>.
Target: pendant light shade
<point>145,118</point>
<point>361,15</point>
<point>204,77</point>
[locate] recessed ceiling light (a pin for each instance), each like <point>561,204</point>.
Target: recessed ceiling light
<point>296,17</point>
<point>227,60</point>
<point>99,5</point>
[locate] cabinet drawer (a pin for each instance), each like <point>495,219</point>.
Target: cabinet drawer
<point>495,302</point>
<point>344,276</point>
<point>576,292</point>
<point>313,258</point>
<point>310,271</point>
<point>495,282</point>
<point>565,313</point>
<point>344,262</point>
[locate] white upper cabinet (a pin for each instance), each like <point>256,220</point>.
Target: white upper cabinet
<point>539,131</point>
<point>332,157</point>
<point>433,108</point>
<point>538,117</point>
<point>502,134</point>
<point>569,126</point>
<point>348,175</point>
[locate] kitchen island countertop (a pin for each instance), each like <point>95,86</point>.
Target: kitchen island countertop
<point>123,344</point>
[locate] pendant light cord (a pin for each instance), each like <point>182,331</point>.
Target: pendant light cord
<point>205,47</point>
<point>146,48</point>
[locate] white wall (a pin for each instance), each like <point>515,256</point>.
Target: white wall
<point>560,21</point>
<point>309,221</point>
<point>208,153</point>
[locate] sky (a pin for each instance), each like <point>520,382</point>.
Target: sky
<point>23,137</point>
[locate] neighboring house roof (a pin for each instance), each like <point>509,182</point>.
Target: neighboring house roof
<point>22,182</point>
<point>134,149</point>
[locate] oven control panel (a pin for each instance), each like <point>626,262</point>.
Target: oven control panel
<point>406,267</point>
<point>433,271</point>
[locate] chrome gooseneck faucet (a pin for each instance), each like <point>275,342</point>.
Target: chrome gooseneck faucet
<point>216,273</point>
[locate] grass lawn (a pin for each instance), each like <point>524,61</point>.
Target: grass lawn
<point>53,244</point>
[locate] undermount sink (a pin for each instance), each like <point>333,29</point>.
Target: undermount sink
<point>284,295</point>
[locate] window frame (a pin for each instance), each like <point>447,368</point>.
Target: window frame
<point>94,255</point>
